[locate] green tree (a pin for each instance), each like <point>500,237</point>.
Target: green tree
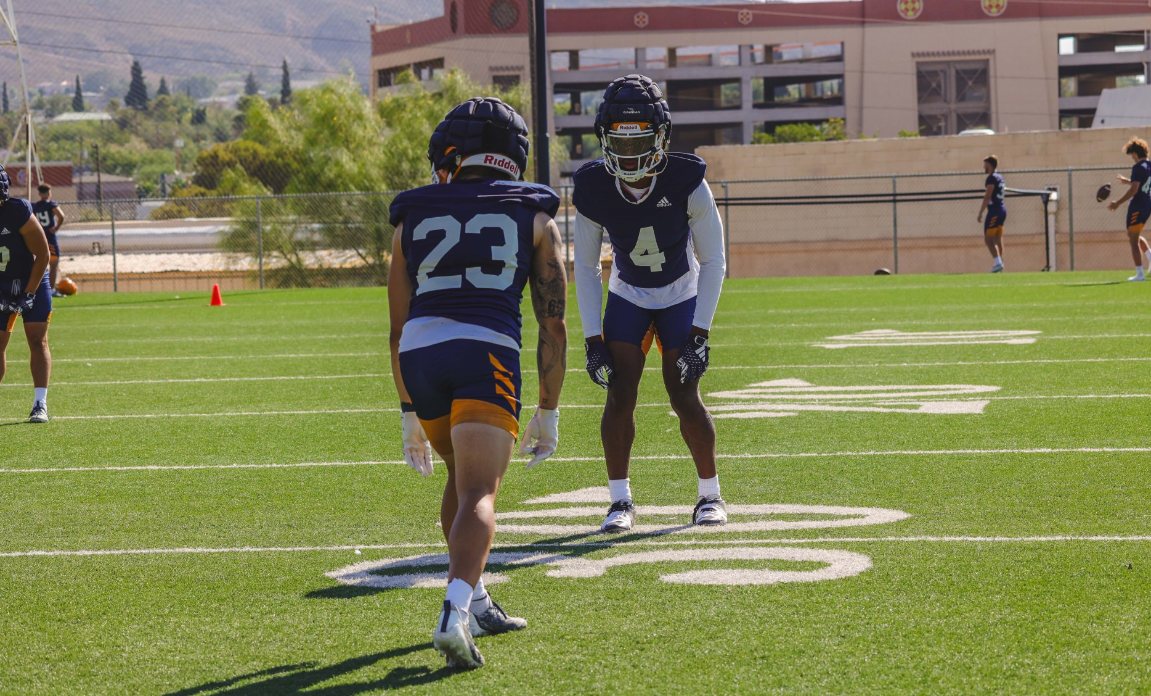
<point>78,97</point>
<point>162,90</point>
<point>251,89</point>
<point>285,83</point>
<point>803,133</point>
<point>137,97</point>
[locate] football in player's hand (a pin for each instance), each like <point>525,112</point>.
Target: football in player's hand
<point>67,286</point>
<point>1103,193</point>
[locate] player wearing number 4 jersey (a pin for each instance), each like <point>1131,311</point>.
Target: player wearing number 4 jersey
<point>658,214</point>
<point>463,251</point>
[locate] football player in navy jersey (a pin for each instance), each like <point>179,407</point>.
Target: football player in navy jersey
<point>1139,210</point>
<point>51,218</point>
<point>464,249</point>
<point>24,291</point>
<point>996,208</point>
<point>659,215</point>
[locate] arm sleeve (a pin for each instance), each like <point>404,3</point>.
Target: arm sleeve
<point>588,278</point>
<point>707,236</point>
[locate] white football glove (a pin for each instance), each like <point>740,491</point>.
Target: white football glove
<point>417,449</point>
<point>542,436</point>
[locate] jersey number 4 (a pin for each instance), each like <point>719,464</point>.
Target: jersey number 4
<point>1147,186</point>
<point>646,251</point>
<point>451,228</point>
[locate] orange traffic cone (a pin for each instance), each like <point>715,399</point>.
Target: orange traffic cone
<point>217,299</point>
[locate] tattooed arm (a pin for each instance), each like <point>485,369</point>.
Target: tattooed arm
<point>549,287</point>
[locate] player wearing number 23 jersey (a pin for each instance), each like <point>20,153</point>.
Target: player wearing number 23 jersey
<point>464,250</point>
<point>661,221</point>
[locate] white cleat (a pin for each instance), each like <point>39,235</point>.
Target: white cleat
<point>620,517</point>
<point>1138,277</point>
<point>39,413</point>
<point>453,638</point>
<point>710,510</point>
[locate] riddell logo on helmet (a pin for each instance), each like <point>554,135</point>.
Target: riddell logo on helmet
<point>496,161</point>
<point>628,127</point>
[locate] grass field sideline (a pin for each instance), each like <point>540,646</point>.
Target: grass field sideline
<point>177,527</point>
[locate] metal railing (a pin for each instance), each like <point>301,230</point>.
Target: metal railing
<point>908,223</point>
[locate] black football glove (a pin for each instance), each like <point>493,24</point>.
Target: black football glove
<point>598,362</point>
<point>26,301</point>
<point>693,359</point>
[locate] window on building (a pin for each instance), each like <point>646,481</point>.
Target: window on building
<point>1068,87</point>
<point>563,61</point>
<point>953,96</point>
<point>1066,45</point>
<point>506,81</point>
<point>562,104</point>
<point>386,77</point>
<point>428,69</point>
<point>576,100</point>
<point>602,59</point>
<point>702,56</point>
<point>778,92</point>
<point>703,95</point>
<point>656,58</point>
<point>579,145</point>
<point>821,52</point>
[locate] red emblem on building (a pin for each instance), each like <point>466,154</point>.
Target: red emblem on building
<point>909,9</point>
<point>745,16</point>
<point>641,19</point>
<point>994,8</point>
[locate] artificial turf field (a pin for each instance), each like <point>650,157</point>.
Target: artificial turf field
<point>230,458</point>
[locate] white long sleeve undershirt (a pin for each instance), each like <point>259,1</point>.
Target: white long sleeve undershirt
<point>703,280</point>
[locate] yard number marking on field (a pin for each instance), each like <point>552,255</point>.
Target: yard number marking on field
<point>788,397</point>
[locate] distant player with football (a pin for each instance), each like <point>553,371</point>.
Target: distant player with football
<point>1139,210</point>
<point>658,214</point>
<point>996,208</point>
<point>24,291</point>
<point>51,218</point>
<point>464,249</point>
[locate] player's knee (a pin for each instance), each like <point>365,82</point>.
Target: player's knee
<point>685,401</point>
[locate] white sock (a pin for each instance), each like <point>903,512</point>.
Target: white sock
<point>998,261</point>
<point>41,395</point>
<point>709,486</point>
<point>459,593</point>
<point>620,489</point>
<point>480,598</point>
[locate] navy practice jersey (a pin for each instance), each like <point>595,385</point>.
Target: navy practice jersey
<point>15,258</point>
<point>997,196</point>
<point>468,246</point>
<point>649,239</point>
<point>46,213</point>
<point>1141,174</point>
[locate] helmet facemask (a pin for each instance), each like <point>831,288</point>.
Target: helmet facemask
<point>632,151</point>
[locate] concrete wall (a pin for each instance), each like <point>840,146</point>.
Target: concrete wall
<point>934,235</point>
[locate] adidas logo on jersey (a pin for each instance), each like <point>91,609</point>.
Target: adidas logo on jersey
<point>663,203</point>
<point>6,231</point>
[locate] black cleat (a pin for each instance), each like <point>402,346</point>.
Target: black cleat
<point>710,510</point>
<point>494,621</point>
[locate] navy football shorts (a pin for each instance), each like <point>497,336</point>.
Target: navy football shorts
<point>628,323</point>
<point>53,245</point>
<point>993,223</point>
<point>462,381</point>
<point>1137,215</point>
<point>41,310</point>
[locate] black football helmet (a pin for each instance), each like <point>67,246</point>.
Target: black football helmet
<point>481,132</point>
<point>633,125</point>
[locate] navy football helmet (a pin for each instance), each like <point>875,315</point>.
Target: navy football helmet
<point>481,132</point>
<point>5,184</point>
<point>633,125</point>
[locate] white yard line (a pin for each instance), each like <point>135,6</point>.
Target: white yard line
<point>249,356</point>
<point>708,542</point>
<point>660,457</point>
<point>199,380</point>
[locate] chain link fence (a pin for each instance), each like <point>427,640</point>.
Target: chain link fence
<point>183,244</point>
<point>781,227</point>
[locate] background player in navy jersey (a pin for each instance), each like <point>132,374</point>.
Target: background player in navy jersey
<point>1139,210</point>
<point>463,251</point>
<point>24,290</point>
<point>51,218</point>
<point>996,208</point>
<point>659,214</point>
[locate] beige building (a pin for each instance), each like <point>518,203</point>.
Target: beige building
<point>935,67</point>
